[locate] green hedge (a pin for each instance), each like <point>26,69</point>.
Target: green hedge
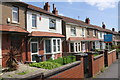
<point>45,65</point>
<point>64,60</point>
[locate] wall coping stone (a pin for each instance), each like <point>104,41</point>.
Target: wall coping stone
<point>96,57</point>
<point>111,51</point>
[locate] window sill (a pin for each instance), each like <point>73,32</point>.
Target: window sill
<point>13,22</point>
<point>34,27</point>
<point>52,29</point>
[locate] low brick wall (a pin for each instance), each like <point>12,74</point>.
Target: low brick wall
<point>111,57</point>
<point>73,71</point>
<point>96,64</point>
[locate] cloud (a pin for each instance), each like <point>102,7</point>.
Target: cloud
<point>102,4</point>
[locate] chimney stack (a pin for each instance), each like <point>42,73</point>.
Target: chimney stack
<point>103,25</point>
<point>55,11</point>
<point>87,20</point>
<point>47,7</point>
<point>113,29</point>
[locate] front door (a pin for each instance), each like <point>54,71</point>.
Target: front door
<point>34,50</point>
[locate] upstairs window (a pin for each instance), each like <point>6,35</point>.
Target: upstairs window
<point>88,32</point>
<point>83,32</point>
<point>94,32</point>
<point>15,14</point>
<point>101,34</point>
<point>52,24</point>
<point>73,31</point>
<point>34,20</point>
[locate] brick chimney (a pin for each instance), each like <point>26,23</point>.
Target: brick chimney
<point>113,29</point>
<point>55,11</point>
<point>103,25</point>
<point>87,20</point>
<point>47,7</point>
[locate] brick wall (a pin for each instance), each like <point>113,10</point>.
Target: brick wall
<point>111,57</point>
<point>6,45</point>
<point>96,64</point>
<point>73,72</point>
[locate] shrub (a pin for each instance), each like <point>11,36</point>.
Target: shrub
<point>64,60</point>
<point>45,65</point>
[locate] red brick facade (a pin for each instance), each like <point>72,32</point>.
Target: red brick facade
<point>7,44</point>
<point>95,64</point>
<point>111,57</point>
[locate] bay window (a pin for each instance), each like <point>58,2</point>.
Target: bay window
<point>48,46</point>
<point>52,46</point>
<point>58,41</point>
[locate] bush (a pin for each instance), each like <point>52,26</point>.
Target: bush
<point>45,65</point>
<point>64,60</point>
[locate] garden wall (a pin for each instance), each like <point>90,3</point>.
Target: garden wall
<point>96,64</point>
<point>73,70</point>
<point>111,56</point>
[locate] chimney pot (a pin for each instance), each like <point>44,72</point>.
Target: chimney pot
<point>47,7</point>
<point>103,25</point>
<point>113,29</point>
<point>87,20</point>
<point>55,11</point>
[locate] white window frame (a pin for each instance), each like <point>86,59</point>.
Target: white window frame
<point>35,22</point>
<point>73,29</point>
<point>54,28</point>
<point>31,49</point>
<point>94,32</point>
<point>52,50</point>
<point>13,21</point>
<point>83,32</point>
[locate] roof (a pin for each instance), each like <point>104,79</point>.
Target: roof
<point>79,22</point>
<point>42,11</point>
<point>83,39</point>
<point>45,34</point>
<point>7,28</point>
<point>75,21</point>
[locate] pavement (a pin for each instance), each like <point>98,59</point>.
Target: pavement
<point>111,71</point>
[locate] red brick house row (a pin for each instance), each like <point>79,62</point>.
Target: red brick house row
<point>27,30</point>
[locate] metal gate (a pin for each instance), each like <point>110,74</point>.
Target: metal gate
<point>86,66</point>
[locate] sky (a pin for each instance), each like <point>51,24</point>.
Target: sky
<point>97,10</point>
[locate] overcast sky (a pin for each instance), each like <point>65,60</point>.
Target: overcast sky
<point>97,10</point>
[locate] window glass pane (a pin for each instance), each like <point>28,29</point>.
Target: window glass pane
<point>54,45</point>
<point>73,31</point>
<point>34,20</point>
<point>72,47</point>
<point>48,46</point>
<point>52,23</point>
<point>58,41</point>
<point>82,31</point>
<point>79,46</point>
<point>76,46</point>
<point>34,48</point>
<point>15,14</point>
<point>33,58</point>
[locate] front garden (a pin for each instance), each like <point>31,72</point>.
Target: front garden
<point>51,64</point>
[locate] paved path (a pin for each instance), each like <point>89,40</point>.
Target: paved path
<point>111,72</point>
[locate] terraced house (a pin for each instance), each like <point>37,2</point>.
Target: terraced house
<point>80,36</point>
<point>45,30</point>
<point>27,31</point>
<point>12,31</point>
